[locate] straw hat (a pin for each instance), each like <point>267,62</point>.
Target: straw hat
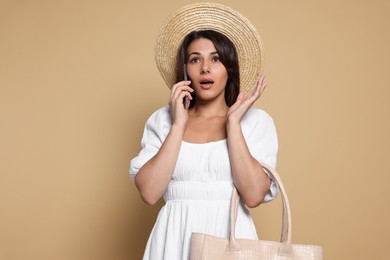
<point>210,16</point>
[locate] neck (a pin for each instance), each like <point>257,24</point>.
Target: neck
<point>210,109</point>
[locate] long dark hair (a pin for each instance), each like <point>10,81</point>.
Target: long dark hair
<point>227,55</point>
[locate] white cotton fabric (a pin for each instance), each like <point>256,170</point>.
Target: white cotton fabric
<point>198,195</point>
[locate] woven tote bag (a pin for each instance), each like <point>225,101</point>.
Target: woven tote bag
<point>206,247</point>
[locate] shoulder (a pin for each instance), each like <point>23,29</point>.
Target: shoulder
<point>159,123</point>
<point>256,116</point>
<point>160,116</point>
<point>257,122</point>
<point>162,112</point>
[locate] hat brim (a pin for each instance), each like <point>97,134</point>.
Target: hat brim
<point>210,16</point>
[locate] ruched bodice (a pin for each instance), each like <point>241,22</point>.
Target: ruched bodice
<point>182,191</point>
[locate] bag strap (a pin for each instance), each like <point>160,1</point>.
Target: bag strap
<point>285,237</point>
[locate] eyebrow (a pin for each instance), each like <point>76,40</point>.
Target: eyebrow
<point>198,53</point>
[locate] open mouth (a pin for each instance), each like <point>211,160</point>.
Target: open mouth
<point>205,82</point>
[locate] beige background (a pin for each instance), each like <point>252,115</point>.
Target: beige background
<point>78,81</point>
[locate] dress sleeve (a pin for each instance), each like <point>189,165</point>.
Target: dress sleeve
<point>156,130</point>
<point>261,137</point>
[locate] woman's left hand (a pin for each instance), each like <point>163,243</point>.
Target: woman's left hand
<point>243,104</point>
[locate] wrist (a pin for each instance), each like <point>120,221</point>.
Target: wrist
<point>233,126</point>
<point>178,129</point>
<point>233,119</point>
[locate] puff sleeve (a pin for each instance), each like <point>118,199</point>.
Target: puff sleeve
<point>260,134</point>
<point>156,130</point>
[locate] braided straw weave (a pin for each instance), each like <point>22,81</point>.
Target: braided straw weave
<point>210,16</point>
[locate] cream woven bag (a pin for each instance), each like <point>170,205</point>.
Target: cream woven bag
<point>206,247</point>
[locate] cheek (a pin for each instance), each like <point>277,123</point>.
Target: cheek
<point>222,70</point>
<point>223,73</point>
<point>191,72</point>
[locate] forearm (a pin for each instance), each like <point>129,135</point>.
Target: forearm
<point>153,178</point>
<point>248,175</point>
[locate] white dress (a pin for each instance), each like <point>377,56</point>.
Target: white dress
<point>198,196</point>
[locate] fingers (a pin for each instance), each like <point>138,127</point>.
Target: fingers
<point>179,87</point>
<point>243,104</point>
<point>263,83</point>
<point>182,95</point>
<point>180,91</point>
<point>259,89</point>
<point>239,100</point>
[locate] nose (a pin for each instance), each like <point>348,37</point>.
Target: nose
<point>205,69</point>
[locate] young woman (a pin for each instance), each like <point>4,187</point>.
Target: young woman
<point>193,157</point>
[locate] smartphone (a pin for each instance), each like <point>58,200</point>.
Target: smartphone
<point>186,100</point>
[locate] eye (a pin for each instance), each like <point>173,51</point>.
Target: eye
<point>194,60</point>
<point>215,59</point>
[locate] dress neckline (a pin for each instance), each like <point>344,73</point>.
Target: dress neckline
<point>207,143</point>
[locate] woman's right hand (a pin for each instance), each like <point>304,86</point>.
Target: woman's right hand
<point>179,114</point>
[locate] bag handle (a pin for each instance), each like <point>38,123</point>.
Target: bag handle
<point>285,238</point>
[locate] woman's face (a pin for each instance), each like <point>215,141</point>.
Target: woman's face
<point>207,73</point>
